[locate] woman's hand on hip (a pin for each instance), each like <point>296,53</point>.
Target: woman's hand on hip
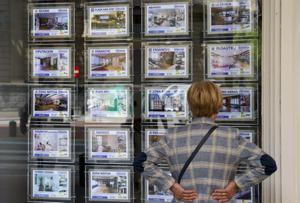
<point>183,195</point>
<point>224,195</point>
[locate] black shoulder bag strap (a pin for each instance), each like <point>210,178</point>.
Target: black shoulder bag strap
<point>201,143</point>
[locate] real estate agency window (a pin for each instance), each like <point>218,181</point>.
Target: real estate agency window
<point>85,85</point>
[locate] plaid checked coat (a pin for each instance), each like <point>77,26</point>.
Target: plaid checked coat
<point>215,164</point>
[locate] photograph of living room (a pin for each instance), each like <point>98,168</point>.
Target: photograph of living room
<point>166,60</point>
<point>109,143</point>
<point>110,184</point>
<point>108,62</point>
<point>108,20</point>
<point>51,102</point>
<point>51,21</point>
<point>230,58</point>
<point>229,15</point>
<point>166,17</point>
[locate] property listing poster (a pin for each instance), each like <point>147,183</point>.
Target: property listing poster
<point>230,60</point>
<point>237,103</point>
<point>108,63</point>
<point>233,16</point>
<point>51,62</point>
<point>51,184</point>
<point>166,102</point>
<point>108,144</point>
<point>108,21</point>
<point>51,22</point>
<point>109,185</point>
<point>51,143</point>
<point>165,61</point>
<point>108,103</point>
<point>166,19</point>
<point>51,103</point>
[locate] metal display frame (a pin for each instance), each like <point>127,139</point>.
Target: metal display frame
<point>43,117</point>
<point>249,118</point>
<point>108,117</point>
<point>106,170</point>
<point>42,156</point>
<point>45,6</point>
<point>46,77</point>
<point>118,158</point>
<point>70,170</point>
<point>248,58</point>
<point>226,31</point>
<point>163,47</point>
<point>162,34</point>
<point>164,115</point>
<point>109,36</point>
<point>116,76</point>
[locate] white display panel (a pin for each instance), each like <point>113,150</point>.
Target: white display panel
<point>166,102</point>
<point>169,18</point>
<point>108,144</point>
<point>109,62</point>
<point>51,184</point>
<point>51,63</point>
<point>112,103</point>
<point>238,104</point>
<point>109,185</point>
<point>51,143</point>
<point>231,60</point>
<point>59,27</point>
<point>167,60</point>
<point>230,16</point>
<point>48,183</point>
<point>107,20</point>
<point>51,102</point>
<point>49,21</point>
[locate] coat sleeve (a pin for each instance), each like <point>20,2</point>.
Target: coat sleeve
<point>260,164</point>
<point>154,156</point>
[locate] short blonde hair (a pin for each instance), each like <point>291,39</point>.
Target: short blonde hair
<point>205,99</point>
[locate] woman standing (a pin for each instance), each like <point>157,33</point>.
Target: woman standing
<point>211,176</point>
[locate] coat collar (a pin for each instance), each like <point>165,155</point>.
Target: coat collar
<point>203,120</point>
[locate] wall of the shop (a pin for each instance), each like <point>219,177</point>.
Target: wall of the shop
<point>4,41</point>
<point>12,33</point>
<point>281,98</point>
<point>290,100</point>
